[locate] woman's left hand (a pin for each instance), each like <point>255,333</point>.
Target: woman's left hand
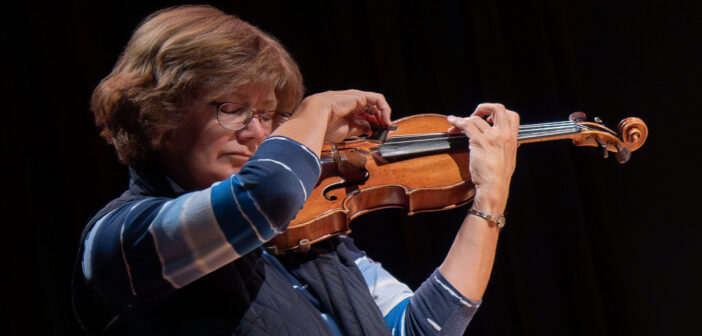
<point>493,151</point>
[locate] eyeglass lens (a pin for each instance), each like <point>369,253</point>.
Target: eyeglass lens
<point>235,116</point>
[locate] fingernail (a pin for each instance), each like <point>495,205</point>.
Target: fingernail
<point>450,118</point>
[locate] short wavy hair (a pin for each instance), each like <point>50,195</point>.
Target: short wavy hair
<point>178,54</point>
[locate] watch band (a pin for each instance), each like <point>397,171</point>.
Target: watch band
<point>499,221</point>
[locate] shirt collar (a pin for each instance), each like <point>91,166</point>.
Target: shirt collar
<point>148,181</point>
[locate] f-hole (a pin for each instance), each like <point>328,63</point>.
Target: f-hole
<point>344,184</point>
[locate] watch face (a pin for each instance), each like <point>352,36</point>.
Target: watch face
<point>500,222</point>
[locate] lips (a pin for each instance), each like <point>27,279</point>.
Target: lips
<point>239,154</point>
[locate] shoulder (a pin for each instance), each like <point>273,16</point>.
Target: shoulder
<point>120,206</point>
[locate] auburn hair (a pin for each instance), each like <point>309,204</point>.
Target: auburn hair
<point>183,53</point>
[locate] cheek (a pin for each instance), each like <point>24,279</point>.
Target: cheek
<point>208,144</point>
<point>208,163</point>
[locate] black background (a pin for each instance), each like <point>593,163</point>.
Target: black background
<point>591,247</point>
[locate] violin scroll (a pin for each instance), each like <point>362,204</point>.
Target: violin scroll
<point>631,136</point>
<point>634,132</point>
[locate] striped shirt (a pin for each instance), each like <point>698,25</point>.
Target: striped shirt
<point>157,245</point>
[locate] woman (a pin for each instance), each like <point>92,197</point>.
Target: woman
<point>195,107</point>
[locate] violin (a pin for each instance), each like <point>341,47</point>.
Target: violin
<point>414,164</point>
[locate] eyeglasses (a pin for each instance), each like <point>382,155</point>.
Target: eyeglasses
<point>235,116</point>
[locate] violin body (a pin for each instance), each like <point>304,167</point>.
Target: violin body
<point>417,166</point>
<point>427,183</point>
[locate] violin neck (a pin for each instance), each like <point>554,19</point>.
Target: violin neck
<point>404,147</point>
<point>547,131</point>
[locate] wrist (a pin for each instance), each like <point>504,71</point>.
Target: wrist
<point>498,221</point>
<point>491,199</point>
<point>312,110</point>
<point>490,202</point>
<point>307,125</point>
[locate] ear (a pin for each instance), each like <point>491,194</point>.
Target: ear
<point>166,151</point>
<point>169,141</point>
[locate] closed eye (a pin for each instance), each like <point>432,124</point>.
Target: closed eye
<point>233,109</point>
<point>268,115</point>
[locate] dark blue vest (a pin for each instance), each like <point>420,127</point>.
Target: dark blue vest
<point>250,296</point>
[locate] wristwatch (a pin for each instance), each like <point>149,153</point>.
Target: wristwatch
<point>499,221</point>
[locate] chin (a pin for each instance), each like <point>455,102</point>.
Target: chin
<point>225,172</point>
<point>232,163</point>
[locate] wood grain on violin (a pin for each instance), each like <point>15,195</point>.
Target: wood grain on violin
<point>419,167</point>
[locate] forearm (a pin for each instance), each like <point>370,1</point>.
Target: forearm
<point>307,126</point>
<point>435,308</point>
<point>469,261</point>
<point>163,244</point>
<point>234,217</point>
<point>493,150</point>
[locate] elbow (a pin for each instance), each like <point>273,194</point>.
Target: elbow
<point>282,205</point>
<point>278,191</point>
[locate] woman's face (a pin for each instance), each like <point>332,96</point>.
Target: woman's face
<point>202,152</point>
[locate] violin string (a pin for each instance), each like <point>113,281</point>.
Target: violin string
<point>398,147</point>
<point>554,128</point>
<point>558,123</point>
<point>522,128</point>
<point>534,133</point>
<point>402,146</point>
<point>539,135</point>
<point>525,132</point>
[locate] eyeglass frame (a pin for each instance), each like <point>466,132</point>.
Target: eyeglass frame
<point>218,106</point>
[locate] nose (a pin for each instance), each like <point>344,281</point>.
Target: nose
<point>254,130</point>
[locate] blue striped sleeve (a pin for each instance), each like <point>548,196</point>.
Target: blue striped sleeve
<point>280,170</point>
<point>396,318</point>
<point>153,246</point>
<point>119,257</point>
<point>435,308</point>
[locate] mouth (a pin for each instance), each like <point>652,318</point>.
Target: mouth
<point>246,155</point>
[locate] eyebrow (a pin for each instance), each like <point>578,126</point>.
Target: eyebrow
<point>240,98</point>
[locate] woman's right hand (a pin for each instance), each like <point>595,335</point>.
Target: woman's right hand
<point>349,113</point>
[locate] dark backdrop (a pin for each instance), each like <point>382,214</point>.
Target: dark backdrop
<point>591,247</point>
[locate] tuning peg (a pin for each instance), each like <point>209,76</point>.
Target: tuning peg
<point>599,121</point>
<point>577,117</point>
<point>603,146</point>
<point>622,154</point>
